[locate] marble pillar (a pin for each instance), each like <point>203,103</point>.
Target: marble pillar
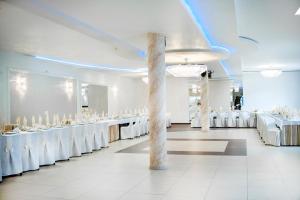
<point>204,107</point>
<point>157,101</point>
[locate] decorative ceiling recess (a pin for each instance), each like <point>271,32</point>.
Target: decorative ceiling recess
<point>195,56</point>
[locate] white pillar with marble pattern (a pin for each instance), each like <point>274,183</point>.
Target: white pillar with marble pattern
<point>157,101</point>
<point>205,123</point>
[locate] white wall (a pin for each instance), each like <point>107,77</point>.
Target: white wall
<point>122,92</point>
<point>178,99</point>
<point>42,93</point>
<point>219,94</point>
<point>265,93</point>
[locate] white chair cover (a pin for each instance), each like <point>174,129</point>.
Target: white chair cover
<point>30,151</point>
<point>212,117</point>
<point>220,120</point>
<point>128,131</point>
<point>268,123</point>
<point>244,118</point>
<point>62,143</point>
<point>11,157</point>
<point>231,120</point>
<point>143,125</point>
<point>168,121</point>
<point>273,136</point>
<point>196,121</point>
<point>47,147</point>
<point>252,120</point>
<point>87,141</point>
<point>137,127</point>
<point>75,140</point>
<point>146,125</point>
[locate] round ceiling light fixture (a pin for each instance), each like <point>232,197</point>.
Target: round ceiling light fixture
<point>199,56</point>
<point>186,70</point>
<point>271,73</point>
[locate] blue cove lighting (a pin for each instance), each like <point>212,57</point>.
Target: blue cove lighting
<point>92,66</point>
<point>195,14</point>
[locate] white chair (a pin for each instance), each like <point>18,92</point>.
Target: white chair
<point>220,119</point>
<point>168,121</point>
<point>273,136</point>
<point>252,120</point>
<point>11,158</point>
<point>138,126</point>
<point>143,125</point>
<point>231,119</point>
<point>268,124</point>
<point>62,143</point>
<point>146,126</point>
<point>47,147</point>
<point>30,151</point>
<point>75,140</point>
<point>259,124</point>
<point>212,119</point>
<point>196,121</point>
<point>243,119</point>
<point>128,131</point>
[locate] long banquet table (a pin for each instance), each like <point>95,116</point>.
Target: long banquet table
<point>289,129</point>
<point>26,151</point>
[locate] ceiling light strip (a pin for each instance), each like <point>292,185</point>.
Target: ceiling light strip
<point>91,66</point>
<point>196,18</point>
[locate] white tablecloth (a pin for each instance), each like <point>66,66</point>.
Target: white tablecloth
<point>62,143</point>
<point>87,138</point>
<point>26,151</point>
<point>11,158</point>
<point>30,151</point>
<point>47,147</point>
<point>0,158</point>
<point>75,140</point>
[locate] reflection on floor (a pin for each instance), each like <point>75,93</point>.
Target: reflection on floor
<point>264,173</point>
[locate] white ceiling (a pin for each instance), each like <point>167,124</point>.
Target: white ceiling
<point>111,32</point>
<point>273,24</point>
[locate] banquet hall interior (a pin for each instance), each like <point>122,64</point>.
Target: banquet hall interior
<point>149,100</point>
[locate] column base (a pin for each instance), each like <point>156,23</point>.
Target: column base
<point>161,167</point>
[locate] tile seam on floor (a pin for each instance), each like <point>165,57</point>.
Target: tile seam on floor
<point>213,177</point>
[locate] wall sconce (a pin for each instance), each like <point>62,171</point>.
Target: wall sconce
<point>114,90</point>
<point>145,79</point>
<point>21,85</point>
<point>69,88</point>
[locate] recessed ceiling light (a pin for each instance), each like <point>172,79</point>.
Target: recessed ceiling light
<point>298,12</point>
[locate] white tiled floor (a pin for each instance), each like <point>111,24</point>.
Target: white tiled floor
<point>266,173</point>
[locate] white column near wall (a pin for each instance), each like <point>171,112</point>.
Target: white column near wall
<point>157,101</point>
<point>204,107</point>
